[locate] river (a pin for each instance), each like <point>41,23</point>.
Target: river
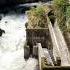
<point>12,44</point>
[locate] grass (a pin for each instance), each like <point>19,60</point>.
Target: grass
<point>37,17</point>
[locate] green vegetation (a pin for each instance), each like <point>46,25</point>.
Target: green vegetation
<point>68,18</point>
<point>60,11</point>
<point>68,12</point>
<point>60,3</point>
<point>37,17</point>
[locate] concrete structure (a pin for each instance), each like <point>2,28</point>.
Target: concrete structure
<point>35,51</point>
<point>39,36</point>
<point>59,45</point>
<point>43,57</point>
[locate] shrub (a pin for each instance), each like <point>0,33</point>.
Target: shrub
<point>60,11</point>
<point>37,17</point>
<point>60,3</point>
<point>68,12</point>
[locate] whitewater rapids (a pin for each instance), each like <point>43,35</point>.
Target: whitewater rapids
<point>12,43</point>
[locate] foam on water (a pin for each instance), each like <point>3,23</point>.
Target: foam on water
<point>14,32</point>
<point>12,43</point>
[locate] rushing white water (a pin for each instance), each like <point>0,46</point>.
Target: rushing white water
<point>14,26</point>
<point>12,43</point>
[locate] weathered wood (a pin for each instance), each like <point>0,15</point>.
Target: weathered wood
<point>59,46</point>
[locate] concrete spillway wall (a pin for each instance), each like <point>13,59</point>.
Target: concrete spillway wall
<point>39,36</point>
<point>59,45</point>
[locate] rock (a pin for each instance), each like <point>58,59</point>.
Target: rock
<point>1,32</point>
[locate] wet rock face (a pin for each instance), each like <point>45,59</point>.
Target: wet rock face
<point>1,32</point>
